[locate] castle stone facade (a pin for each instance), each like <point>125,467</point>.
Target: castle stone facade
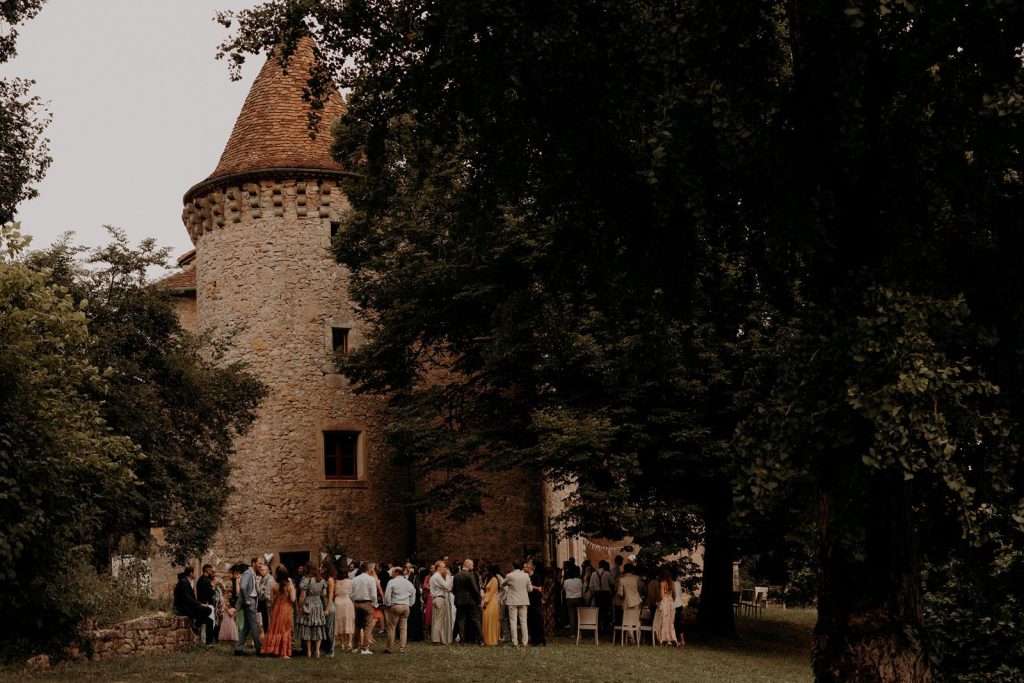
<point>263,282</point>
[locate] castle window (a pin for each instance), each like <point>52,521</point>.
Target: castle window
<point>339,340</point>
<point>341,455</point>
<point>335,228</point>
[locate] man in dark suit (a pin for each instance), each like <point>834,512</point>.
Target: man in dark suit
<point>466,590</point>
<point>186,604</point>
<point>205,592</point>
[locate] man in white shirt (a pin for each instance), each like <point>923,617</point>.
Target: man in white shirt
<point>518,601</point>
<point>364,599</point>
<point>572,590</point>
<point>601,585</point>
<point>398,600</point>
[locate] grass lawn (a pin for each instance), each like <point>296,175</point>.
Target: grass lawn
<point>773,648</point>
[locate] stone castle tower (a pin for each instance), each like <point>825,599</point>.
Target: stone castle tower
<point>262,279</point>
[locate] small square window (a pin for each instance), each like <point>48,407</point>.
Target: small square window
<point>339,340</point>
<point>341,455</point>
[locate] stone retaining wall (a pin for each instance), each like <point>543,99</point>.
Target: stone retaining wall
<point>158,633</point>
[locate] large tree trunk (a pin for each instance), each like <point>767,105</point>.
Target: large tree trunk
<point>716,614</point>
<point>869,607</point>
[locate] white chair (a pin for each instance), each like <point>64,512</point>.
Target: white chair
<point>746,601</point>
<point>760,600</point>
<point>650,629</point>
<point>630,624</point>
<point>586,620</point>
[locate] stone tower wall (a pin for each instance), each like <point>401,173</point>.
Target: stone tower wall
<point>268,285</point>
<point>511,527</point>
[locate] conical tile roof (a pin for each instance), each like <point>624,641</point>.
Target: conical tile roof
<point>272,131</point>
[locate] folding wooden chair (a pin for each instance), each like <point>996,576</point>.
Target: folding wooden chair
<point>630,624</point>
<point>586,620</point>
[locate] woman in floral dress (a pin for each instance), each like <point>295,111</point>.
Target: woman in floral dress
<point>311,621</point>
<point>666,618</point>
<point>279,632</point>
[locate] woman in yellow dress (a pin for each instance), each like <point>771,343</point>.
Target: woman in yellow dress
<point>492,607</point>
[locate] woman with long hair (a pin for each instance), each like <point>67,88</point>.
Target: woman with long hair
<point>329,630</point>
<point>378,613</point>
<point>428,611</point>
<point>279,631</point>
<point>415,623</point>
<point>344,611</point>
<point>228,627</point>
<point>665,621</point>
<point>492,607</point>
<point>311,620</point>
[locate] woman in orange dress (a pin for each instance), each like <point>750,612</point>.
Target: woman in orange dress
<point>492,608</point>
<point>278,640</point>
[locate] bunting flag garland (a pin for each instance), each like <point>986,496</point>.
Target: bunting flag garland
<point>322,556</point>
<point>608,550</point>
<point>267,557</point>
<point>337,557</point>
<point>348,561</point>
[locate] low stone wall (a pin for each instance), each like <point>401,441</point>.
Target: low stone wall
<point>158,633</point>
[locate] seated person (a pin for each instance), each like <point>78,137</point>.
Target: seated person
<point>186,604</point>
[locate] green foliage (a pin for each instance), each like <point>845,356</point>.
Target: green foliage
<point>112,599</point>
<point>61,465</point>
<point>24,152</point>
<point>174,397</point>
<point>763,249</point>
<point>974,617</point>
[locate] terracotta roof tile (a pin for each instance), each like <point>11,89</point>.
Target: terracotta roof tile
<point>272,131</point>
<point>183,281</point>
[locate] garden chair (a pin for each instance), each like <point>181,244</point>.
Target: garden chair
<point>586,620</point>
<point>649,628</point>
<point>760,600</point>
<point>630,624</point>
<point>746,600</point>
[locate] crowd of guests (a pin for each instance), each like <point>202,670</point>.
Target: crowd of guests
<point>328,608</point>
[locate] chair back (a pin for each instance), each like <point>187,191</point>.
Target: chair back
<point>587,617</point>
<point>746,596</point>
<point>761,595</point>
<point>631,619</point>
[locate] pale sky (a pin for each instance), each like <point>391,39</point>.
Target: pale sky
<point>141,112</point>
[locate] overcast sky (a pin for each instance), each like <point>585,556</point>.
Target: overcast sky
<point>141,112</point>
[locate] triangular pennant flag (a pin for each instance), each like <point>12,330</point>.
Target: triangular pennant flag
<point>322,556</point>
<point>337,557</point>
<point>348,560</point>
<point>267,557</point>
<point>227,566</point>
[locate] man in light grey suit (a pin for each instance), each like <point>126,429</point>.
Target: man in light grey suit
<point>248,596</point>
<point>629,587</point>
<point>518,601</point>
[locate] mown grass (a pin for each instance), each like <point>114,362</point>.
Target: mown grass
<point>773,648</point>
